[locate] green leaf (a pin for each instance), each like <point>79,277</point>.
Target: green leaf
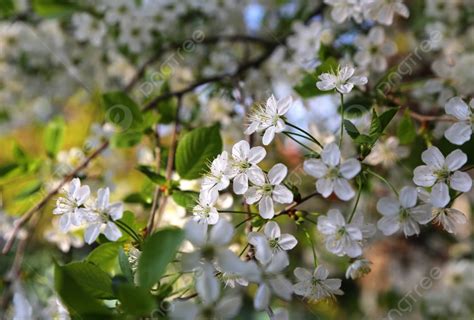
<point>29,190</point>
<point>125,265</point>
<point>54,136</point>
<point>186,199</point>
<point>138,198</point>
<point>122,111</point>
<point>54,8</point>
<point>387,116</point>
<point>195,150</point>
<point>307,86</point>
<point>126,139</point>
<point>158,251</point>
<point>71,283</point>
<point>7,8</point>
<point>153,176</point>
<point>375,130</point>
<point>357,106</point>
<point>351,129</point>
<point>5,169</point>
<point>105,256</point>
<point>406,130</point>
<point>136,301</point>
<point>167,110</point>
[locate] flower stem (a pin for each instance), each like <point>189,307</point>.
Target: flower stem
<point>342,120</point>
<point>384,180</point>
<point>310,239</point>
<point>305,132</point>
<point>301,144</point>
<point>356,203</point>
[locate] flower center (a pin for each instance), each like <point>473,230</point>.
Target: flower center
<point>333,173</point>
<point>267,189</point>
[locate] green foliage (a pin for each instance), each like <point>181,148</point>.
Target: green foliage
<point>121,110</point>
<point>125,265</point>
<point>196,150</point>
<point>80,286</point>
<point>307,86</point>
<point>159,250</point>
<point>351,129</point>
<point>54,136</point>
<point>54,8</point>
<point>29,190</point>
<point>136,301</point>
<point>153,176</point>
<point>357,105</point>
<point>126,139</point>
<point>406,130</point>
<point>105,256</point>
<point>186,199</point>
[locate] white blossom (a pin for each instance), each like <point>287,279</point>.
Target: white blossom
<point>316,286</point>
<point>332,174</point>
<point>244,161</point>
<point>342,238</point>
<point>270,118</point>
<point>71,207</point>
<point>343,80</point>
<point>383,11</point>
<point>442,173</point>
<point>217,179</point>
<point>204,211</point>
<point>460,132</point>
<point>358,269</point>
<point>88,28</point>
<point>374,49</point>
<point>402,213</point>
<point>270,242</point>
<point>101,216</point>
<point>273,282</point>
<point>268,188</point>
<point>345,9</point>
<point>387,153</point>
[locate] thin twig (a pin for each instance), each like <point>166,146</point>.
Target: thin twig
<point>27,216</point>
<point>156,195</point>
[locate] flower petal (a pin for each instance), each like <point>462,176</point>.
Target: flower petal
<point>460,181</point>
<point>315,168</point>
<point>350,168</point>
<point>459,133</point>
<point>256,155</point>
<point>433,158</point>
<point>331,155</point>
<point>281,194</point>
<point>277,173</point>
<point>343,189</point>
<point>388,206</point>
<point>455,160</point>
<point>265,207</point>
<point>458,108</point>
<point>112,232</point>
<point>408,197</point>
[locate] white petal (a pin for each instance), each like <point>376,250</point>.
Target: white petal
<point>207,286</point>
<point>459,133</point>
<point>458,108</point>
<point>345,88</point>
<point>302,274</point>
<point>423,176</point>
<point>103,198</point>
<point>460,181</point>
<point>91,233</point>
<point>287,241</point>
<point>283,105</point>
<point>321,273</point>
<point>433,157</point>
<point>315,168</point>
<point>281,194</point>
<point>358,80</point>
<point>350,168</point>
<point>221,233</point>
<point>112,232</point>
<point>282,287</point>
<point>82,194</point>
<point>257,154</point>
<point>327,82</point>
<point>346,72</point>
<point>240,150</point>
<point>65,222</point>
<point>268,135</point>
<point>325,187</point>
<point>240,183</point>
<point>277,173</point>
<point>343,189</point>
<point>252,195</point>
<point>455,160</point>
<point>278,262</point>
<point>265,207</point>
<point>388,225</point>
<point>256,175</point>
<point>115,210</point>
<point>196,233</point>
<point>440,195</point>
<point>229,306</point>
<point>408,197</point>
<point>262,297</point>
<point>388,206</point>
<point>331,155</point>
<point>263,252</point>
<point>272,230</point>
<point>73,186</point>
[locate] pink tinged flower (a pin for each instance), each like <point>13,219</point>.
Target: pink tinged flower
<point>441,174</point>
<point>268,188</point>
<point>270,242</point>
<point>331,174</point>
<point>101,217</point>
<point>402,213</point>
<point>343,81</point>
<point>270,118</point>
<point>316,286</point>
<point>244,160</point>
<point>340,238</point>
<point>460,132</point>
<point>71,207</point>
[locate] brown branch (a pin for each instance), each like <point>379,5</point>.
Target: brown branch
<point>156,195</point>
<point>27,216</point>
